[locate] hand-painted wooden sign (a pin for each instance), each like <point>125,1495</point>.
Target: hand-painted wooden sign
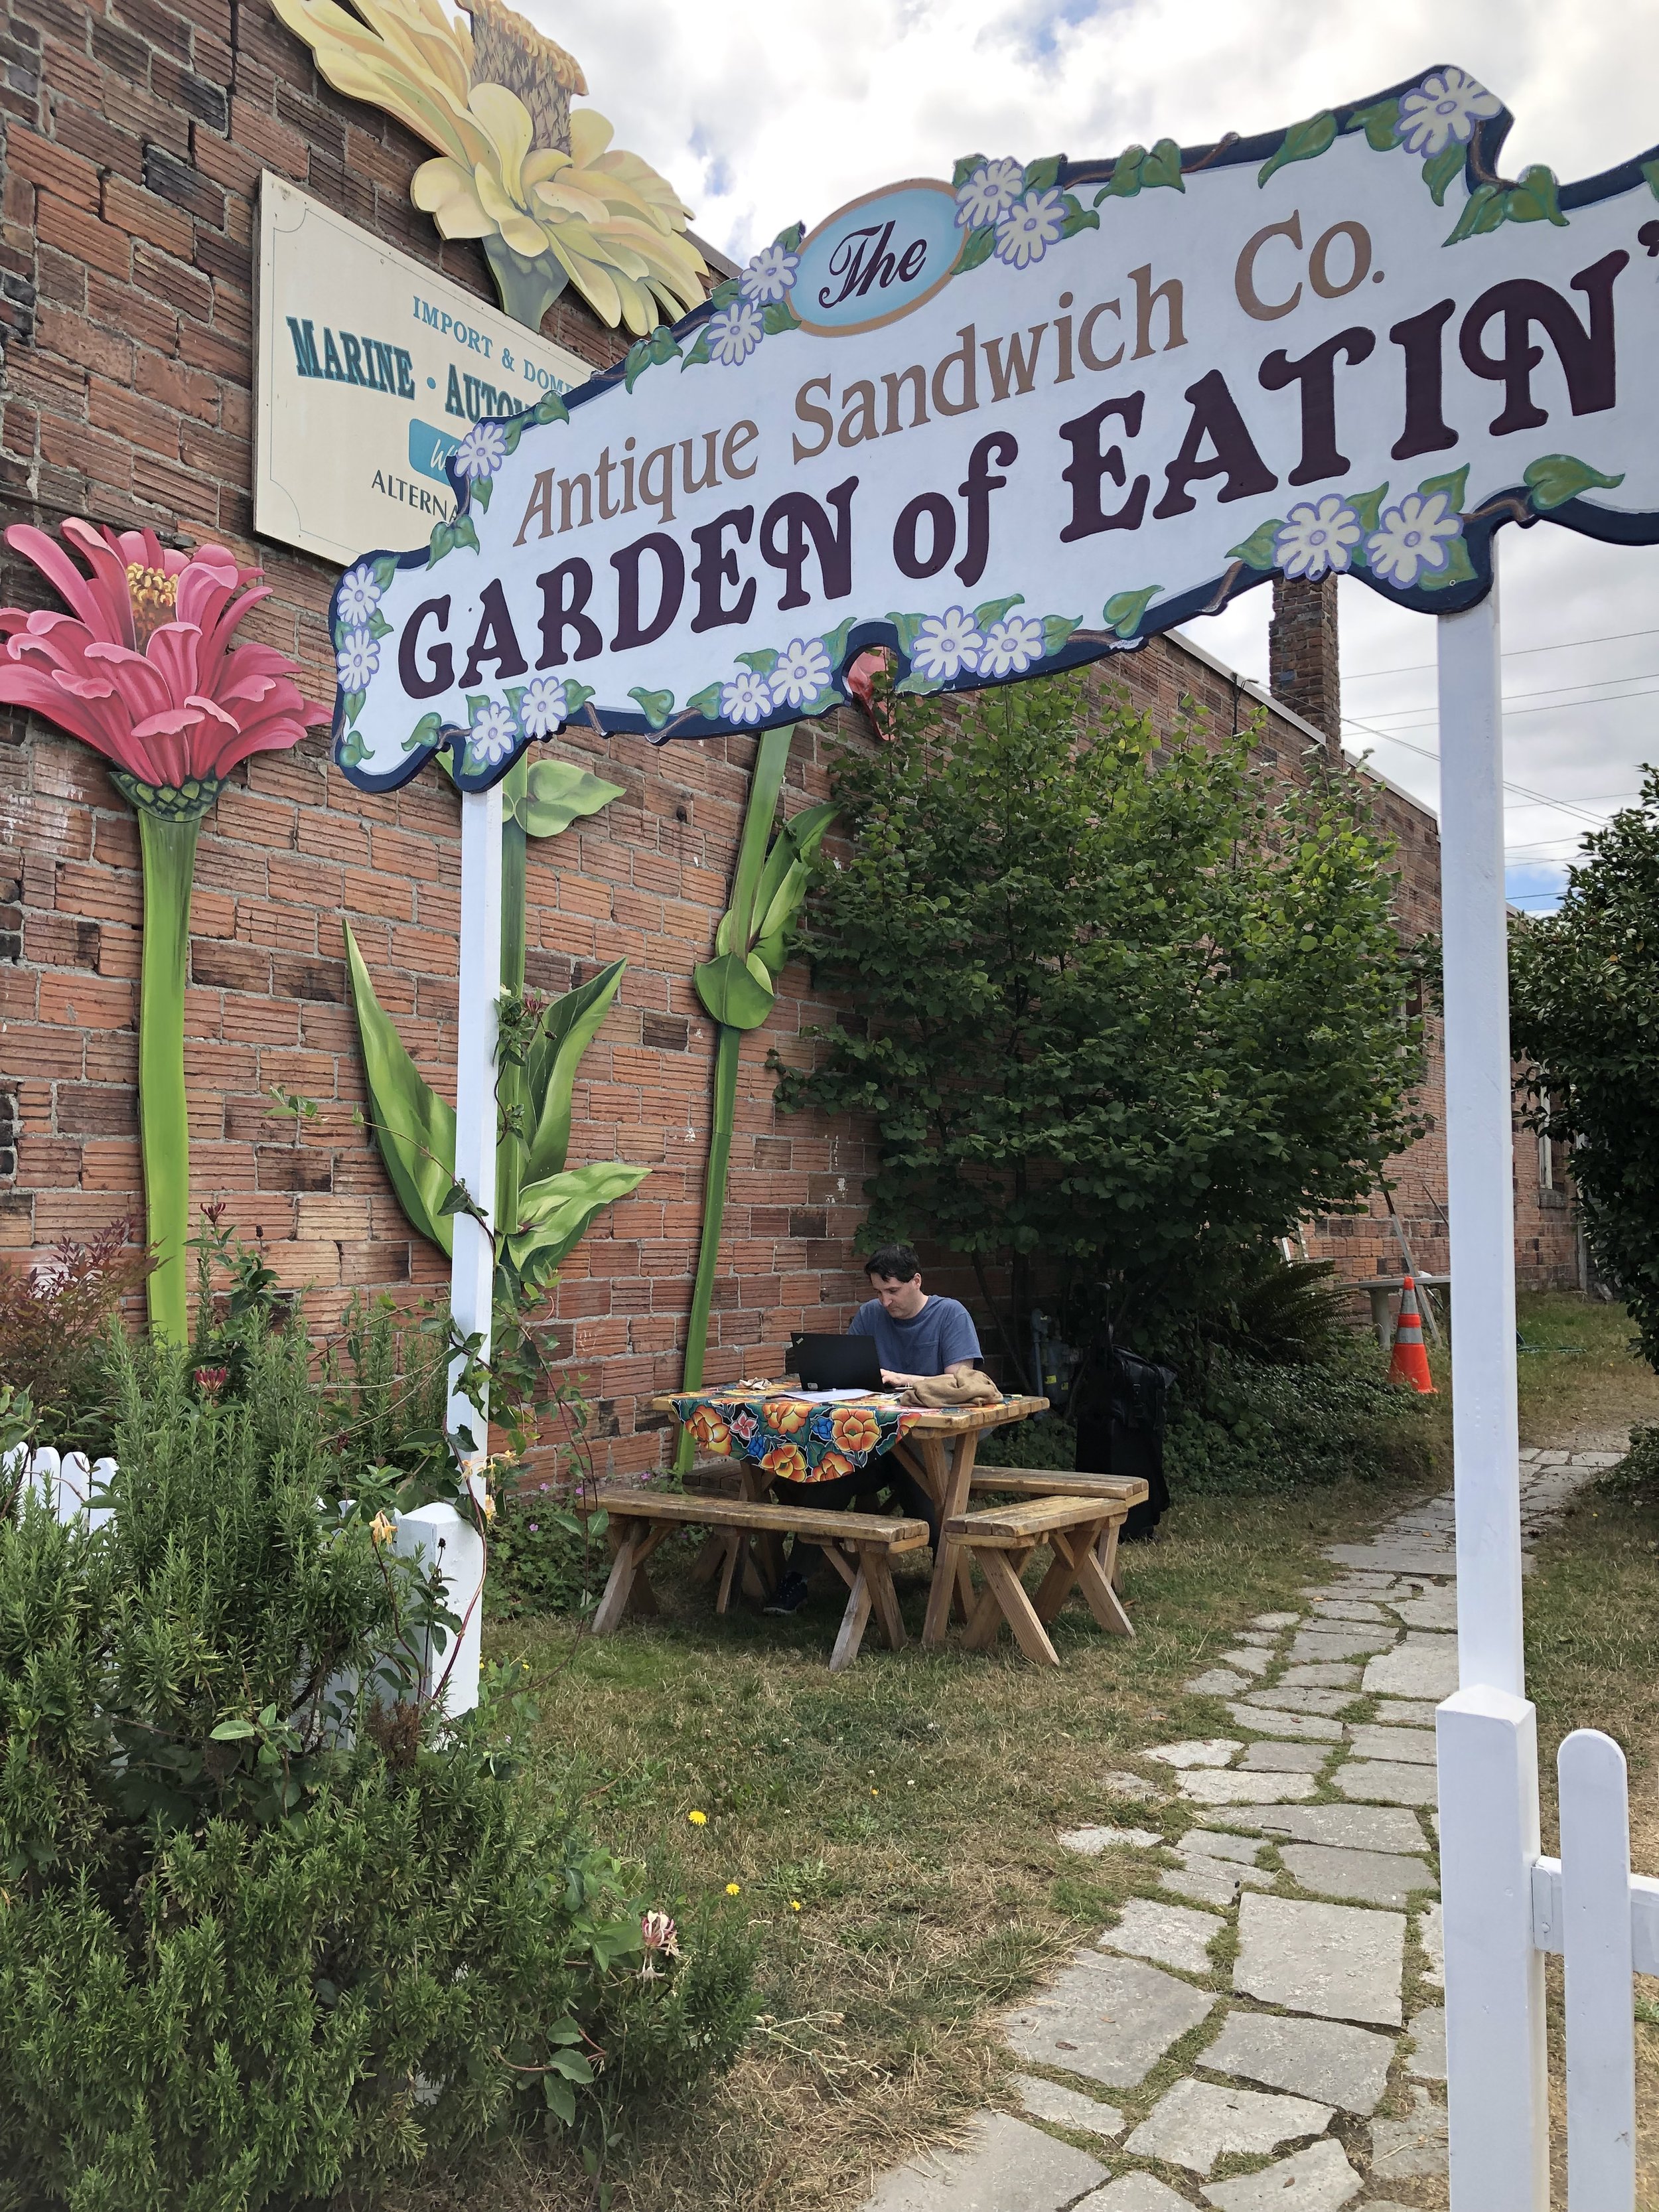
<point>1029,417</point>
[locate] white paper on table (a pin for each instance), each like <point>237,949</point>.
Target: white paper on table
<point>829,1397</point>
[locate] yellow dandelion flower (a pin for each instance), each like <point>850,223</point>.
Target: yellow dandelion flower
<point>734,1889</point>
<point>794,1904</point>
<point>698,1819</point>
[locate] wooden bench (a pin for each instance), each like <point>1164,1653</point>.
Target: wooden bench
<point>640,1519</point>
<point>1000,1539</point>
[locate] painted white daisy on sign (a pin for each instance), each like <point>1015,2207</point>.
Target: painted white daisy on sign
<point>1318,538</point>
<point>947,644</point>
<point>1443,110</point>
<point>1414,538</point>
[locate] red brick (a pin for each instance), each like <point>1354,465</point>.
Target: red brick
<point>81,234</point>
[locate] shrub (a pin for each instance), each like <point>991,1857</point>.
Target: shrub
<point>543,1557</point>
<point>1638,1472</point>
<point>1246,1425</point>
<point>55,1319</point>
<point>247,1959</point>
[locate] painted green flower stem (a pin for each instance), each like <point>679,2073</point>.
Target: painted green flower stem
<point>766,782</point>
<point>167,845</point>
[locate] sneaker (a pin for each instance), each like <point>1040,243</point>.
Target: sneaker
<point>791,1593</point>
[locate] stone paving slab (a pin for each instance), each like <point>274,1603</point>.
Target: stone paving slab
<point>1216,1843</point>
<point>1246,1660</point>
<point>1109,2019</point>
<point>1387,1782</point>
<point>1278,1758</point>
<point>1135,1787</point>
<point>1005,2167</point>
<point>1350,1608</point>
<point>1339,2065</point>
<point>1402,2150</point>
<point>1396,1559</point>
<point>1327,1675</point>
<point>1196,2122</point>
<point>1421,1667</point>
<point>1405,1712</point>
<point>1334,1960</point>
<point>1290,1697</point>
<point>1436,1609</point>
<point>1315,1646</point>
<point>1277,1620</point>
<point>1317,2179</point>
<point>1367,1877</point>
<point>1269,1720</point>
<point>1066,2108</point>
<point>1205,1750</point>
<point>1207,1881</point>
<point>1349,1827</point>
<point>1090,1843</point>
<point>1216,1682</point>
<point>1264,1639</point>
<point>1172,1935</point>
<point>1235,1788</point>
<point>1135,2192</point>
<point>1416,1746</point>
<point>1428,2028</point>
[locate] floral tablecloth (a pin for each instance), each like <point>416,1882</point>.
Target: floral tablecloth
<point>792,1439</point>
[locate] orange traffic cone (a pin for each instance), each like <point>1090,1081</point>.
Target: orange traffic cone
<point>1409,1362</point>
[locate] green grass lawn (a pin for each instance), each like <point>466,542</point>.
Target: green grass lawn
<point>891,1830</point>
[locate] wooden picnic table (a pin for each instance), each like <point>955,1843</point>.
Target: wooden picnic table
<point>938,1449</point>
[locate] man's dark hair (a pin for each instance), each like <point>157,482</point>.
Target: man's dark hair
<point>896,1263</point>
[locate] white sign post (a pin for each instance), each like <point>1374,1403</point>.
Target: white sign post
<point>472,1266</point>
<point>1030,416</point>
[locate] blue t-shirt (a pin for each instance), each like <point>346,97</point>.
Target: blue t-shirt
<point>941,1333</point>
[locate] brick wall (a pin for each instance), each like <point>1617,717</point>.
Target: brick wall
<point>134,135</point>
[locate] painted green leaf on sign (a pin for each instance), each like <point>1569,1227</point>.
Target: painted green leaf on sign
<point>1651,171</point>
<point>1162,167</point>
<point>734,993</point>
<point>483,487</point>
<point>1303,142</point>
<point>993,610</point>
<point>1125,180</point>
<point>964,169</point>
<point>1124,612</point>
<point>551,408</point>
<point>1368,510</point>
<point>1057,630</point>
<point>1379,123</point>
<point>1459,569</point>
<point>706,702</point>
<point>977,248</point>
<point>655,706</point>
<point>1257,551</point>
<point>1440,169</point>
<point>779,316</point>
<point>1537,198</point>
<point>1455,486</point>
<point>1077,218</point>
<point>1043,176</point>
<point>567,1030</point>
<point>1482,211</point>
<point>414,1129</point>
<point>1554,478</point>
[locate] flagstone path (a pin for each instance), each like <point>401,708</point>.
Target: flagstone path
<point>1249,2020</point>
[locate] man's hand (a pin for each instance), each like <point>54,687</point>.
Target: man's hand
<point>897,1381</point>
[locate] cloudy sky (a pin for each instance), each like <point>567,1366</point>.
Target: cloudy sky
<point>765,111</point>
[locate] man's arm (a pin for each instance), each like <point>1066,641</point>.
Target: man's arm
<point>958,1347</point>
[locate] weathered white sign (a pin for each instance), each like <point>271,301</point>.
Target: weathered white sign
<point>1028,417</point>
<point>372,369</point>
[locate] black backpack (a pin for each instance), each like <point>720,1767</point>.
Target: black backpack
<point>1121,1405</point>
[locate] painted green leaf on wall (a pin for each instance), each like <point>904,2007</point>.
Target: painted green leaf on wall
<point>556,1211</point>
<point>733,991</point>
<point>413,1128</point>
<point>568,1028</point>
<point>556,793</point>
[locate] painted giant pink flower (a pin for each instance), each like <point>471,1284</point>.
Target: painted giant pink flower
<point>145,669</point>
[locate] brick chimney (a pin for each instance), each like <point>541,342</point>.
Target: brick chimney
<point>1303,660</point>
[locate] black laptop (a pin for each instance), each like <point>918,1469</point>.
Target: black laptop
<point>835,1362</point>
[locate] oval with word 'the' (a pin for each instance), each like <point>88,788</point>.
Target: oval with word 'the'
<point>877,259</point>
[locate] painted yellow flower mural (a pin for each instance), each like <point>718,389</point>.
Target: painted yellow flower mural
<point>537,183</point>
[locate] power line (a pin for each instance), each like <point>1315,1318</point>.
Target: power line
<point>1562,805</point>
<point>1419,720</point>
<point>1549,692</point>
<point>1517,653</point>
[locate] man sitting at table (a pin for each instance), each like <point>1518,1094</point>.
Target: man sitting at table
<point>915,1335</point>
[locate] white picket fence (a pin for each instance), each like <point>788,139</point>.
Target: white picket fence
<point>67,1483</point>
<point>1506,1906</point>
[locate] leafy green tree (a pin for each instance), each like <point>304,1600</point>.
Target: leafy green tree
<point>1134,1008</point>
<point>1584,1011</point>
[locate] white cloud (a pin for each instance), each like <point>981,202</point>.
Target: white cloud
<point>766,111</point>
